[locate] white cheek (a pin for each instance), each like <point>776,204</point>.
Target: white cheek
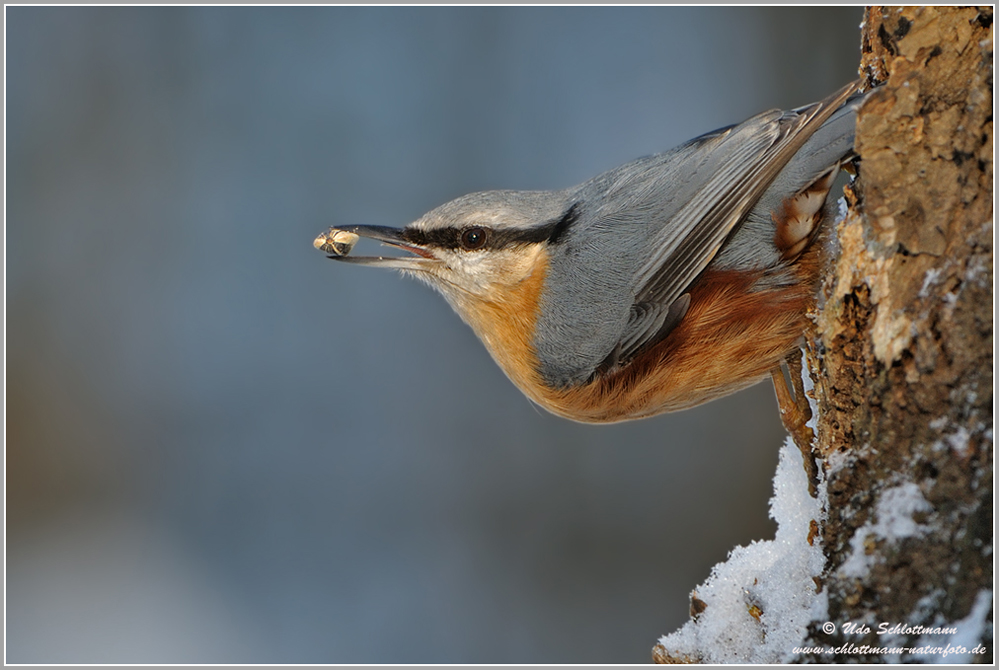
<point>481,273</point>
<point>476,269</point>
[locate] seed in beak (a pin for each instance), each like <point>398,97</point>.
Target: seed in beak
<point>336,242</point>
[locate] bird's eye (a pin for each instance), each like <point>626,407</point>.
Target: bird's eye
<point>473,238</point>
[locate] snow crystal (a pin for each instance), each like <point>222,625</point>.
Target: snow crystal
<point>928,604</point>
<point>960,441</point>
<point>838,460</point>
<point>895,509</point>
<point>760,601</point>
<point>939,423</point>
<point>970,632</point>
<point>859,563</point>
<point>894,522</point>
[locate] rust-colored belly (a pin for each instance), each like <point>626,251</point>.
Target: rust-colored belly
<point>738,327</point>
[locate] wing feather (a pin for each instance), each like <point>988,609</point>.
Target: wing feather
<point>668,216</point>
<point>763,146</point>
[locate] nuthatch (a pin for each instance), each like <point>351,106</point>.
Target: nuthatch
<point>656,286</point>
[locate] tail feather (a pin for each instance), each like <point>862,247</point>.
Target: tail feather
<point>829,146</point>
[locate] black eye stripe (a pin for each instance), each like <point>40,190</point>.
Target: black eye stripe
<point>443,238</point>
<point>558,228</point>
<point>454,237</point>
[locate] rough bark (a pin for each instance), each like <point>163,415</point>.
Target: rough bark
<point>900,351</point>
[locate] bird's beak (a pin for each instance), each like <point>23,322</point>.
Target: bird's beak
<point>338,242</point>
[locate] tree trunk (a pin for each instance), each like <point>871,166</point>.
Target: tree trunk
<point>902,348</point>
<point>901,359</point>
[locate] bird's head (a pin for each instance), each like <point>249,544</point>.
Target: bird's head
<point>477,249</point>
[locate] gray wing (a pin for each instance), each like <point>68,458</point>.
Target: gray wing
<point>754,154</point>
<point>667,216</point>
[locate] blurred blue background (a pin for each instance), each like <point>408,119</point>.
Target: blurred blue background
<point>223,448</point>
